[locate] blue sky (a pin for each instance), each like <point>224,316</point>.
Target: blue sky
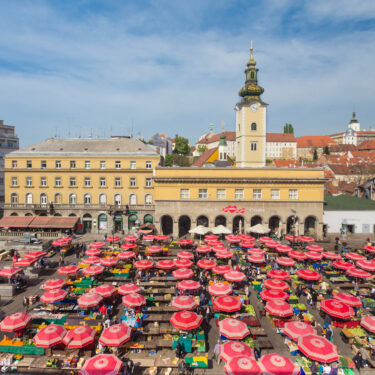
<point>74,68</point>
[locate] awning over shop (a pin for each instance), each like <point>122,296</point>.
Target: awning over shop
<point>57,222</point>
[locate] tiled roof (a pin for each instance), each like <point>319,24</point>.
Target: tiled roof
<point>229,136</point>
<point>341,148</point>
<point>367,145</point>
<point>342,169</point>
<point>204,157</point>
<point>280,137</point>
<point>314,141</point>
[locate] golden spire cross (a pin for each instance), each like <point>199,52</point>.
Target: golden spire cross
<point>251,51</point>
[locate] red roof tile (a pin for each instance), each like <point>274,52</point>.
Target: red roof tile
<point>229,136</point>
<point>204,157</point>
<point>314,141</point>
<point>367,145</point>
<point>280,137</point>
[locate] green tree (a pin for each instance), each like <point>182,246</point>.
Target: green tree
<point>288,128</point>
<point>326,150</point>
<point>315,154</point>
<point>181,145</point>
<point>201,149</point>
<point>168,160</point>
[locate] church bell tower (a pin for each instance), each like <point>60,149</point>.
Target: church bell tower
<point>251,119</point>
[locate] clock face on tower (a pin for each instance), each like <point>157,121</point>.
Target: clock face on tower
<point>254,107</point>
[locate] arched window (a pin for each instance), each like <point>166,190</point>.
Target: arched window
<point>72,199</point>
<point>58,198</point>
<point>148,199</point>
<point>43,198</point>
<point>87,199</point>
<point>102,199</point>
<point>132,199</point>
<point>29,198</point>
<point>252,75</point>
<point>117,199</point>
<point>254,126</point>
<point>14,198</point>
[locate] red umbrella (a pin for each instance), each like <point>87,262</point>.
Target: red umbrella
<point>295,329</point>
<point>203,249</point>
<point>232,349</point>
<point>127,246</point>
<point>255,258</point>
<point>336,309</point>
<point>265,239</point>
<point>68,270</point>
<point>219,247</point>
<point>96,244</point>
<point>220,289</point>
<point>128,289</point>
<point>59,242</point>
<point>186,320</point>
<point>306,239</point>
<point>184,303</point>
<point>270,295</point>
<point>242,365</point>
<point>215,243</point>
<point>113,239</point>
<point>284,249</point>
<point>256,251</point>
<point>279,307</point>
<point>348,299</point>
<point>133,300</point>
<point>370,249</point>
<point>126,255</point>
<point>183,263</point>
<point>188,285</point>
<point>247,244</point>
<point>15,321</point>
<point>276,364</point>
<point>185,255</point>
<point>314,248</point>
<point>317,348</point>
<point>234,276</point>
<point>285,261</point>
<point>331,255</point>
<point>143,264</point>
<point>54,295</point>
<point>115,335</point>
<point>342,265</point>
<point>278,274</point>
<point>221,270</point>
<point>314,255</point>
<point>276,284</point>
<point>91,260</point>
<point>355,256</point>
<point>272,244</point>
<point>368,322</point>
<point>185,242</point>
<point>233,329</point>
<point>53,284</point>
<point>79,337</point>
<point>183,273</point>
<point>162,237</point>
<point>148,237</point>
<point>25,262</point>
<point>296,254</point>
<point>93,270</point>
<point>308,274</point>
<point>368,265</point>
<point>206,264</point>
<point>102,364</point>
<point>89,299</point>
<point>165,264</point>
<point>109,261</point>
<point>10,271</point>
<point>224,254</point>
<point>246,237</point>
<point>105,290</point>
<point>154,249</point>
<point>227,303</point>
<point>232,238</point>
<point>93,252</point>
<point>130,238</point>
<point>36,254</point>
<point>357,272</point>
<point>290,237</point>
<point>211,237</point>
<point>50,336</point>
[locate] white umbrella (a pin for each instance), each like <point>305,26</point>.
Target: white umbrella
<point>259,228</point>
<point>200,229</point>
<point>221,229</point>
